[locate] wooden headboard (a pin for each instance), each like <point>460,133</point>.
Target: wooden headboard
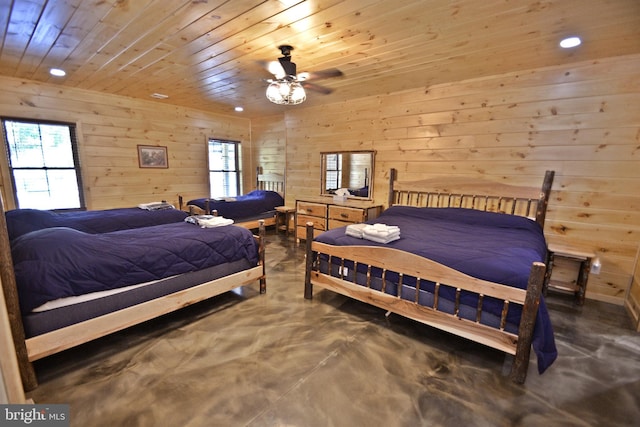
<point>270,181</point>
<point>470,193</point>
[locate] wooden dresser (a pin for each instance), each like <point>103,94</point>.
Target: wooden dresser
<point>325,214</point>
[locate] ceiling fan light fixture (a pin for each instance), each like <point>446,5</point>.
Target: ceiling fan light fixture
<point>285,92</point>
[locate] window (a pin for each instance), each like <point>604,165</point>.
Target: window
<point>224,168</point>
<point>43,164</point>
<point>334,171</point>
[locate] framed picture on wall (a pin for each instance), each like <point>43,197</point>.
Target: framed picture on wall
<point>152,156</point>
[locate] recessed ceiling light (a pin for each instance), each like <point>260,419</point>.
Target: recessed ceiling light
<point>239,109</point>
<point>57,72</point>
<point>159,95</point>
<point>570,42</point>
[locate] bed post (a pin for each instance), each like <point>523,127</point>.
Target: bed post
<point>261,252</point>
<point>179,201</point>
<point>308,286</point>
<point>541,212</point>
<point>527,323</point>
<point>393,173</point>
<point>10,289</point>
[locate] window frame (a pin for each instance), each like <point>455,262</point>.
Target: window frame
<point>329,172</point>
<point>237,162</point>
<point>73,129</point>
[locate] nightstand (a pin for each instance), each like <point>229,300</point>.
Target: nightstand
<point>573,255</point>
<point>284,217</point>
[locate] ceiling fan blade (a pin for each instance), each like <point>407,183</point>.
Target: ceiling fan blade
<point>316,88</point>
<point>273,67</point>
<point>288,66</point>
<point>317,75</point>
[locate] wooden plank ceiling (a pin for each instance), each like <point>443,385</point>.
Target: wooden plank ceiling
<point>210,54</point>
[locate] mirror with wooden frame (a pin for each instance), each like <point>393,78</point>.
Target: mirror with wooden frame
<point>351,170</point>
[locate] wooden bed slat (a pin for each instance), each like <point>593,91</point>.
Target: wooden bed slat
<point>486,335</point>
<point>390,259</point>
<point>479,308</point>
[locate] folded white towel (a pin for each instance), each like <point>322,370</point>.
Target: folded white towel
<point>208,221</point>
<point>381,230</point>
<point>154,206</point>
<point>355,230</point>
<point>216,221</point>
<point>380,233</point>
<point>387,239</point>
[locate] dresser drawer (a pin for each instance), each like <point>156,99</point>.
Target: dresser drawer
<point>334,223</point>
<point>318,223</point>
<point>315,209</point>
<point>343,213</point>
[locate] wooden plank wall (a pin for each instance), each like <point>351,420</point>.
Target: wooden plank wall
<point>581,120</point>
<point>269,138</point>
<point>109,130</point>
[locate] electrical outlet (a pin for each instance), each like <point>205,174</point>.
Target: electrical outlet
<point>596,266</point>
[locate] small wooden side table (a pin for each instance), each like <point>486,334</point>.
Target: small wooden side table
<point>284,217</point>
<point>584,258</point>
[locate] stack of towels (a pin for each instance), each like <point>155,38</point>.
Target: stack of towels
<point>208,221</point>
<point>155,206</point>
<point>380,233</point>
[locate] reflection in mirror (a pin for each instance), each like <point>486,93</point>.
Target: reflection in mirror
<point>350,170</point>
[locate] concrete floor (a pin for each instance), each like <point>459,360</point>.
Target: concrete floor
<point>245,359</point>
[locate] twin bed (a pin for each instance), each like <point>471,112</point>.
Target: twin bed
<point>470,260</point>
<point>248,209</point>
<point>73,277</point>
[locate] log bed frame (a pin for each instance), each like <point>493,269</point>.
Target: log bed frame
<point>37,347</point>
<point>264,181</point>
<point>488,196</point>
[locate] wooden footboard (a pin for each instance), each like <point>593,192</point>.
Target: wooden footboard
<point>425,270</point>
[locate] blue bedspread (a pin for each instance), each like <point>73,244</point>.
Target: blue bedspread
<point>246,206</point>
<point>60,262</point>
<point>491,246</point>
<point>22,221</point>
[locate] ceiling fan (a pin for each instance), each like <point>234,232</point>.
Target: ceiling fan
<point>288,87</point>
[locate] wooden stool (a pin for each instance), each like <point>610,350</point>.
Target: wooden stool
<point>572,254</point>
<point>284,217</point>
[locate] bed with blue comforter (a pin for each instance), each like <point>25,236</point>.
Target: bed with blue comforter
<point>257,204</point>
<point>72,279</point>
<point>22,221</point>
<point>62,262</point>
<point>453,268</point>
